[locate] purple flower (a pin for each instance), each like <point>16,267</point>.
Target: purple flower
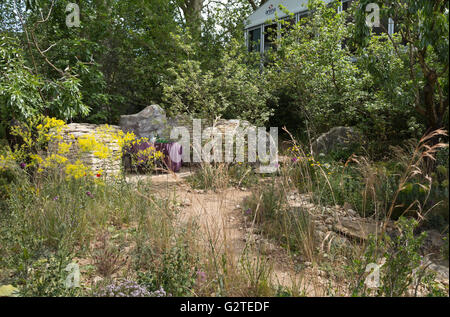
<point>294,159</point>
<point>201,276</point>
<point>23,165</point>
<point>89,194</point>
<point>248,211</point>
<point>126,288</point>
<point>56,198</point>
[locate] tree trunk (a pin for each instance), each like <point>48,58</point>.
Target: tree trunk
<point>192,10</point>
<point>255,6</point>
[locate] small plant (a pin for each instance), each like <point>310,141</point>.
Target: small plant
<point>48,277</point>
<point>175,272</point>
<point>211,177</point>
<point>127,288</point>
<point>107,257</point>
<point>268,209</point>
<point>243,175</point>
<point>258,271</point>
<point>401,271</point>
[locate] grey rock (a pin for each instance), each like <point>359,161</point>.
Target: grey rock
<point>441,271</point>
<point>358,229</point>
<point>334,139</point>
<point>148,123</point>
<point>434,241</point>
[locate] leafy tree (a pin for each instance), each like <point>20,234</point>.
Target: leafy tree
<point>19,88</point>
<point>322,81</point>
<point>33,81</point>
<point>235,89</point>
<point>424,27</point>
<point>315,70</point>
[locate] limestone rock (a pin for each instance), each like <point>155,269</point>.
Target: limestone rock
<point>148,123</point>
<point>70,135</point>
<point>434,241</point>
<point>358,229</point>
<point>337,137</point>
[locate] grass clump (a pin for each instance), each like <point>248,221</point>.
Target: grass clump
<point>267,208</point>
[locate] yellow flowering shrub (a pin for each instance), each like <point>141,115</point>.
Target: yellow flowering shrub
<point>77,170</point>
<point>39,132</point>
<point>64,148</point>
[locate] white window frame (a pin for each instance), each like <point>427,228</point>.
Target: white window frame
<point>261,41</point>
<point>391,26</point>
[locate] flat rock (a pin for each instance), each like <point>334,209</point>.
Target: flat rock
<point>358,229</point>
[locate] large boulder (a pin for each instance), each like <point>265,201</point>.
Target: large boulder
<point>148,123</point>
<point>336,138</point>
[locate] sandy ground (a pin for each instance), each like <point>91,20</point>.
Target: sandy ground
<point>221,220</point>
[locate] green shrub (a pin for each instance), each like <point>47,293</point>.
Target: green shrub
<point>211,177</point>
<point>175,272</point>
<point>233,90</point>
<point>402,272</point>
<point>47,277</point>
<point>243,175</point>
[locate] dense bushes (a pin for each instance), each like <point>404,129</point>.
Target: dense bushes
<point>49,225</point>
<point>323,79</point>
<point>234,89</point>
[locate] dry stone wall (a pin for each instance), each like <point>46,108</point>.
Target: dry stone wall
<point>74,131</point>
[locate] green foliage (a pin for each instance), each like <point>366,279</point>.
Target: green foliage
<point>323,81</point>
<point>402,272</point>
<point>210,177</point>
<point>232,90</point>
<point>47,278</point>
<point>25,92</point>
<point>424,27</point>
<point>219,176</point>
<point>243,175</point>
<point>369,187</point>
<point>44,225</point>
<point>19,88</point>
<point>314,67</point>
<point>176,272</point>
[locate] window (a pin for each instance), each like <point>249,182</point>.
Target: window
<point>391,26</point>
<point>254,40</point>
<point>346,5</point>
<point>382,28</point>
<point>387,25</point>
<point>302,15</point>
<point>270,35</point>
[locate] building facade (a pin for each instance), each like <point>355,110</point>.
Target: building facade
<point>260,24</point>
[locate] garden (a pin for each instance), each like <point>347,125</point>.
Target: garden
<point>93,204</point>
